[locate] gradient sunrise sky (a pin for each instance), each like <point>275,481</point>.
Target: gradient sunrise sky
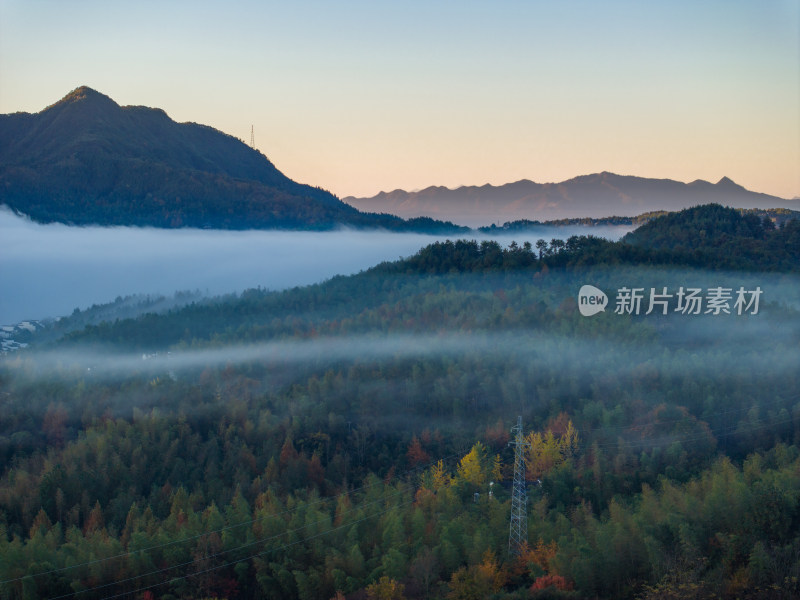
<point>359,97</point>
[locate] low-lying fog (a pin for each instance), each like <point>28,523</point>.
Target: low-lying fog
<point>49,270</point>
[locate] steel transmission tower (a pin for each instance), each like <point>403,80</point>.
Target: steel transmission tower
<point>252,138</point>
<point>518,528</point>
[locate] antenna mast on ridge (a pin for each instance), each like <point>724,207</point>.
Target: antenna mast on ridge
<point>252,138</point>
<point>518,528</point>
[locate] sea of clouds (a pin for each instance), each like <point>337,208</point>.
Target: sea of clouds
<point>49,270</point>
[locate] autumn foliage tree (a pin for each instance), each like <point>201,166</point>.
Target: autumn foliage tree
<point>547,450</point>
<point>416,453</point>
<point>386,589</point>
<point>471,467</point>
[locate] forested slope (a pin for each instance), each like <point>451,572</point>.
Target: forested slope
<point>330,440</point>
<point>85,160</point>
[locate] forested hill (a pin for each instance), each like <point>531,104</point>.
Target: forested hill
<point>709,237</point>
<point>776,215</point>
<point>349,439</point>
<point>87,160</point>
<point>705,227</point>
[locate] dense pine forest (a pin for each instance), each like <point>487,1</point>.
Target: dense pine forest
<point>350,439</point>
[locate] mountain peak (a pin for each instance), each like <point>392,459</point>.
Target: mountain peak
<point>84,92</point>
<point>729,183</point>
<point>87,160</point>
<point>85,95</point>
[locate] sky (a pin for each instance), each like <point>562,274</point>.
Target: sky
<point>362,97</point>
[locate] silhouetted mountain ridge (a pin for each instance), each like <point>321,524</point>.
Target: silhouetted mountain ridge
<point>595,195</point>
<point>87,160</point>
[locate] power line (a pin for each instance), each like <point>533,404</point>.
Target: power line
<point>719,432</point>
<point>284,547</point>
<point>722,432</point>
<point>722,413</point>
<point>648,442</point>
<point>407,472</point>
<point>404,489</point>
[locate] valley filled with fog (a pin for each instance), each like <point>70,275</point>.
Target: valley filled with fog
<point>326,440</point>
<point>49,270</point>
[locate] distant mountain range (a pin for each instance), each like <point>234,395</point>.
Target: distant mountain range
<point>86,160</point>
<point>597,195</point>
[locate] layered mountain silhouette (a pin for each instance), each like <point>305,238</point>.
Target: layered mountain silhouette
<point>597,195</point>
<point>87,160</point>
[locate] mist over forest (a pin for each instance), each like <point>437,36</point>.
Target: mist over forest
<point>50,270</point>
<point>350,438</point>
<point>399,301</point>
